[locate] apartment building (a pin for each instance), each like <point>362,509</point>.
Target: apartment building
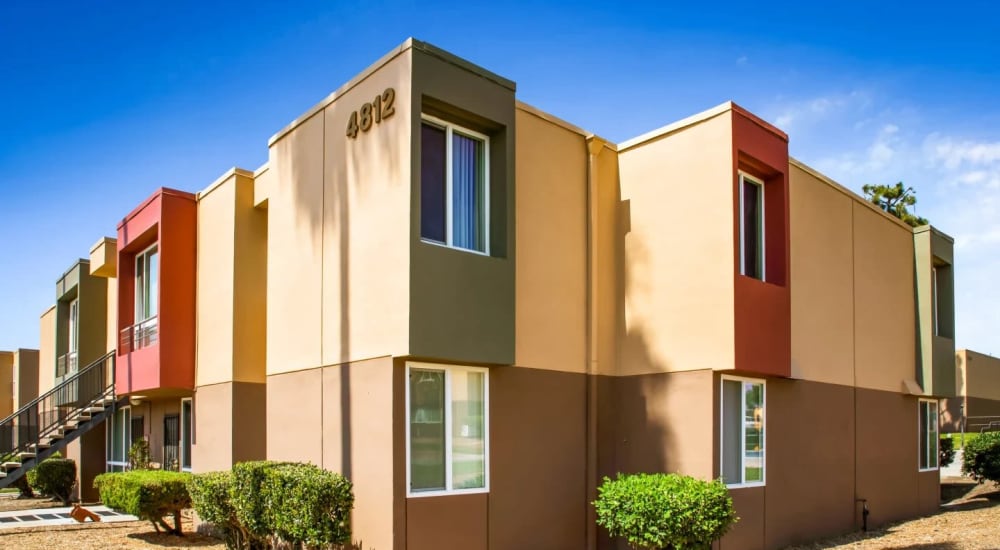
<point>475,310</point>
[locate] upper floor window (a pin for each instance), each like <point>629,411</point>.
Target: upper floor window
<point>146,284</point>
<point>751,226</point>
<point>742,431</point>
<point>454,185</point>
<point>928,428</point>
<point>74,326</point>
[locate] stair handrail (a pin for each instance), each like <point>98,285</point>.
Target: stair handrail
<point>61,385</point>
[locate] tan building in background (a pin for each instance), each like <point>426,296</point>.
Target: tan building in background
<point>976,405</point>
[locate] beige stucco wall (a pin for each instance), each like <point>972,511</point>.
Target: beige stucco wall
<point>852,288</point>
<point>822,280</point>
<point>6,383</point>
<point>678,257</point>
<point>25,375</point>
<point>977,375</point>
<point>551,293</point>
<point>231,307</point>
<point>884,337</point>
<point>47,351</point>
<point>338,221</point>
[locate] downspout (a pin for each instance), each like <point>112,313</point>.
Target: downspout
<point>595,146</point>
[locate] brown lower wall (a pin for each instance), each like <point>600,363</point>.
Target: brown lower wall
<point>88,452</point>
<point>826,446</point>
<point>230,425</point>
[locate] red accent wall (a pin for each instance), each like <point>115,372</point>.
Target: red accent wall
<point>763,308</point>
<point>168,218</point>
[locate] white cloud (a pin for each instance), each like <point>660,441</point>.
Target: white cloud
<point>954,153</point>
<point>809,111</point>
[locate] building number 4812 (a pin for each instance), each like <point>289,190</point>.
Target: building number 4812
<point>372,113</point>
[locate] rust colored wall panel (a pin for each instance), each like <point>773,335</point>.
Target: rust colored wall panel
<point>810,461</point>
<point>929,484</point>
<point>763,309</point>
<point>436,523</point>
<point>887,455</point>
<point>748,533</point>
<point>537,452</point>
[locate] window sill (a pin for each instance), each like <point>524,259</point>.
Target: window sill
<point>447,493</point>
<point>934,469</point>
<point>452,247</point>
<point>746,485</point>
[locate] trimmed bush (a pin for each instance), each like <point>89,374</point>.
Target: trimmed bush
<point>275,504</point>
<point>210,498</point>
<point>946,452</point>
<point>654,511</point>
<point>148,494</point>
<point>981,457</point>
<point>54,477</point>
<point>308,505</point>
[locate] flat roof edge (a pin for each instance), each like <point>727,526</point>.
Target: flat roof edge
<point>675,126</point>
<point>850,194</point>
<point>548,117</point>
<point>234,171</point>
<point>445,55</point>
<point>344,88</point>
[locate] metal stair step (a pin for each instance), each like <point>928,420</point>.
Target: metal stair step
<point>3,474</point>
<point>10,465</point>
<point>94,409</point>
<point>41,446</point>
<point>25,454</point>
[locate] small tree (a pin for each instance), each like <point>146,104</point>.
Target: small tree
<point>138,455</point>
<point>665,511</point>
<point>896,200</point>
<point>981,458</point>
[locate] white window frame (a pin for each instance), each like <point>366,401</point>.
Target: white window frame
<point>74,325</point>
<point>184,435</point>
<point>448,371</point>
<point>743,432</point>
<point>937,434</point>
<point>450,128</point>
<point>745,177</point>
<point>140,258</point>
<point>126,438</point>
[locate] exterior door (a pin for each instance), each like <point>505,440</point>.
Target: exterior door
<point>171,442</point>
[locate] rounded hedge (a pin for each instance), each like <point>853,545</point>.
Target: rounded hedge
<point>981,457</point>
<point>147,494</point>
<point>54,477</point>
<point>653,511</point>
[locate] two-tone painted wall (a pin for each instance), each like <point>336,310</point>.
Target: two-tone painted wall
<point>976,403</point>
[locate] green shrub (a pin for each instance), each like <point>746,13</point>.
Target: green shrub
<point>275,504</point>
<point>946,452</point>
<point>210,498</point>
<point>308,505</point>
<point>138,455</point>
<point>665,510</point>
<point>54,477</point>
<point>148,494</point>
<point>981,457</point>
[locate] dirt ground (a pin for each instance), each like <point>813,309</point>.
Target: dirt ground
<point>127,535</point>
<point>971,521</point>
<point>10,502</point>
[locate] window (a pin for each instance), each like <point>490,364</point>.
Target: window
<point>751,226</point>
<point>147,274</point>
<point>118,439</point>
<point>928,421</point>
<point>454,186</point>
<point>138,428</point>
<point>934,300</point>
<point>742,431</point>
<point>447,429</point>
<point>187,408</point>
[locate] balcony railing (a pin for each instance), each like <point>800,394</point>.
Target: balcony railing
<point>139,335</point>
<point>66,364</point>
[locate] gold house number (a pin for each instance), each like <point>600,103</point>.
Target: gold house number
<point>372,113</point>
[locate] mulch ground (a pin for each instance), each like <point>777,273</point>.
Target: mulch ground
<point>126,535</point>
<point>969,522</point>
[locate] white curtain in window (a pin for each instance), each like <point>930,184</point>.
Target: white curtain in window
<point>468,190</point>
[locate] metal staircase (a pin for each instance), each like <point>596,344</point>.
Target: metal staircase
<point>75,406</point>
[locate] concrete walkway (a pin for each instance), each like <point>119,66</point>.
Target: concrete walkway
<point>44,517</point>
<point>955,470</point>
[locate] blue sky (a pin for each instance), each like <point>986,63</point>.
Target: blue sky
<point>101,102</point>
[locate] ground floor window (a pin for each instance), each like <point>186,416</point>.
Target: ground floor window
<point>171,442</point>
<point>742,431</point>
<point>447,429</point>
<point>928,422</point>
<point>187,411</point>
<point>119,439</point>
